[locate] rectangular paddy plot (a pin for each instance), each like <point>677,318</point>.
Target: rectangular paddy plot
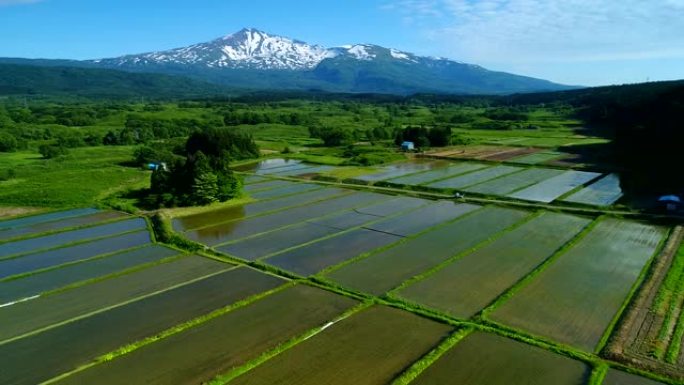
<point>48,217</point>
<point>387,269</point>
<point>344,220</point>
<point>32,285</point>
<point>269,243</point>
<point>469,284</point>
<point>603,192</point>
<point>267,164</point>
<point>40,357</point>
<point>538,158</point>
<point>294,188</point>
<point>233,213</point>
<point>509,183</point>
<point>55,240</point>
<point>575,299</point>
<point>314,257</point>
<point>223,233</point>
<point>440,173</point>
<point>551,189</point>
<point>196,355</point>
<point>422,218</point>
<point>488,359</point>
<point>616,377</point>
<point>267,185</point>
<point>472,178</point>
<point>71,254</point>
<point>370,347</point>
<point>29,316</point>
<point>84,220</point>
<point>401,169</point>
<point>279,170</point>
<point>392,205</point>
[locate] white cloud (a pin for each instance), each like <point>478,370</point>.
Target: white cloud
<point>17,2</point>
<point>524,31</point>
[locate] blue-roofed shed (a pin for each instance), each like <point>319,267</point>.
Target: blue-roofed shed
<point>408,146</point>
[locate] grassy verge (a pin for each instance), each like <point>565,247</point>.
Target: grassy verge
<point>419,366</point>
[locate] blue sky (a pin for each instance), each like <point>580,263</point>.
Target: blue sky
<point>588,42</point>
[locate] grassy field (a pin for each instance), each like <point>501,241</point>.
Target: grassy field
<point>85,177</point>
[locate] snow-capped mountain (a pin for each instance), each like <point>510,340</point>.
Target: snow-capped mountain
<point>254,59</point>
<point>252,49</point>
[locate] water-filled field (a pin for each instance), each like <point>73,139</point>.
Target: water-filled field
<point>476,177</point>
<point>198,354</point>
<point>486,359</point>
<point>470,283</point>
<point>603,192</point>
<point>575,299</point>
<point>387,269</point>
<point>370,347</point>
<point>553,188</point>
<point>37,358</point>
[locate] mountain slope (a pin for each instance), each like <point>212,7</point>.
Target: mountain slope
<point>16,79</point>
<point>257,60</point>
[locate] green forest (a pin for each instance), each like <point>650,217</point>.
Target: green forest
<point>630,129</point>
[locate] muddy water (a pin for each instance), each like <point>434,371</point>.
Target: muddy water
<point>215,235</point>
<point>240,212</point>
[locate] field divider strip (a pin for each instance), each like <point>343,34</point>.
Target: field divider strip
<point>126,349</point>
<point>598,374</point>
<point>72,263</point>
<point>538,270</point>
<point>67,229</point>
<point>401,241</point>
<point>603,342</point>
<point>413,371</point>
<point>120,304</point>
<point>70,244</point>
<point>493,238</point>
<point>253,363</point>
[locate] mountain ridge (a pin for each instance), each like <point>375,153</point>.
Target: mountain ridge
<point>255,60</point>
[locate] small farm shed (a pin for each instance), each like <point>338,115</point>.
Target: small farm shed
<point>670,202</point>
<point>154,166</point>
<point>408,146</point>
